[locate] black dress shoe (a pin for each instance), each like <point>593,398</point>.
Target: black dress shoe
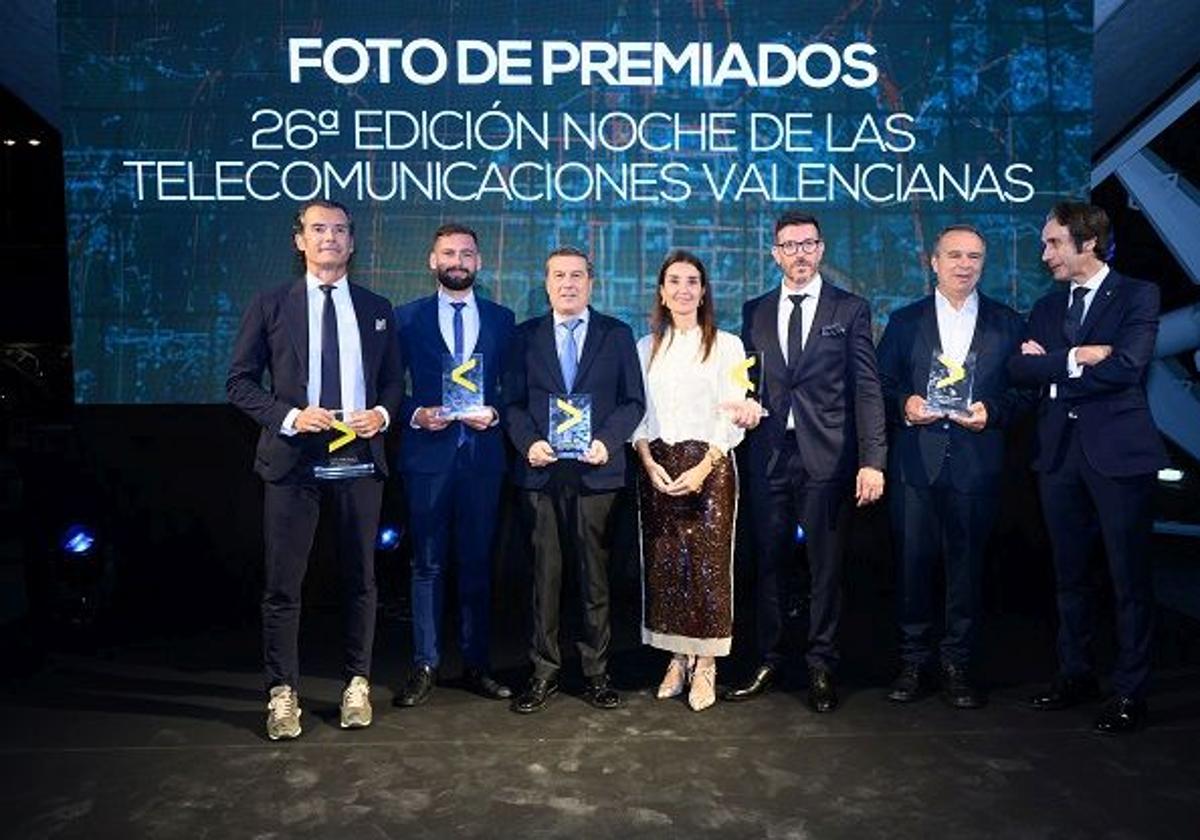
<point>600,694</point>
<point>908,685</point>
<point>758,684</point>
<point>483,684</point>
<point>418,688</point>
<point>1066,692</point>
<point>958,690</point>
<point>1121,715</point>
<point>534,697</point>
<point>822,696</point>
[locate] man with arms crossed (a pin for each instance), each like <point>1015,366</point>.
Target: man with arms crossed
<point>1098,452</point>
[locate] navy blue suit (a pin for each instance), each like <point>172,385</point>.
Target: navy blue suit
<point>1097,454</point>
<point>453,480</point>
<point>567,505</point>
<point>807,475</point>
<point>945,478</point>
<point>273,338</point>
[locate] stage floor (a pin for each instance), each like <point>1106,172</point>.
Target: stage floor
<point>165,739</point>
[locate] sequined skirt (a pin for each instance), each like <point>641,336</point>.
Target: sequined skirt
<point>687,555</point>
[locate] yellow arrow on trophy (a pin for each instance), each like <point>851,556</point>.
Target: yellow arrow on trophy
<point>457,377</point>
<point>741,373</point>
<point>574,416</point>
<point>954,372</point>
<point>347,435</point>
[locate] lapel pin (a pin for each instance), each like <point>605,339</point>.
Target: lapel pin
<point>380,324</point>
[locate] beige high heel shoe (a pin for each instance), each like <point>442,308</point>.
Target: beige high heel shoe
<point>704,683</point>
<point>676,678</point>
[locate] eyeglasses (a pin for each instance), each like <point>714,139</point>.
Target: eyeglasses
<point>791,247</point>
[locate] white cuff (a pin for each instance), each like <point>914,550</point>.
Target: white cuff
<point>1074,369</point>
<point>289,423</point>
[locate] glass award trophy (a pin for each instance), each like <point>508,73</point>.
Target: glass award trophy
<point>345,455</point>
<point>462,386</point>
<point>570,424</point>
<point>950,384</point>
<point>748,376</point>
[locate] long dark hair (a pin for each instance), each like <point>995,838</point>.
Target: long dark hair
<point>706,317</point>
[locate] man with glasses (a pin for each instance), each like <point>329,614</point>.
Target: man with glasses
<point>821,445</point>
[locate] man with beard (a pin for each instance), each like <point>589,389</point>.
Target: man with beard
<point>453,466</point>
<point>820,449</point>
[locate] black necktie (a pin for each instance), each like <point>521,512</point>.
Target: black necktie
<point>331,367</point>
<point>1074,319</point>
<point>795,335</point>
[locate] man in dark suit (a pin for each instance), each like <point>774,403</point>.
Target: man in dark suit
<point>822,444</point>
<point>567,503</point>
<point>1098,452</point>
<point>329,348</point>
<point>945,465</point>
<point>453,467</point>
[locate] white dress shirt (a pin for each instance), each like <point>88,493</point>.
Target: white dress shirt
<point>1092,284</point>
<point>956,327</point>
<point>808,311</point>
<point>350,363</point>
<point>683,393</point>
<point>470,315</point>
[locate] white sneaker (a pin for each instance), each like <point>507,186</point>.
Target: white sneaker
<point>283,713</point>
<point>356,704</point>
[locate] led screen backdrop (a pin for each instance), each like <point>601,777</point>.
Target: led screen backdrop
<point>193,129</point>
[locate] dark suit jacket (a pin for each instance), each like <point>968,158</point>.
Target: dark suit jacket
<point>422,348</point>
<point>273,337</point>
<point>1115,428</point>
<point>905,353</point>
<point>834,391</point>
<point>608,371</point>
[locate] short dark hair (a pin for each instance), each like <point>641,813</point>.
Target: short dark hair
<point>1083,222</point>
<point>795,217</point>
<point>960,227</point>
<point>572,251</point>
<point>298,222</point>
<point>301,266</point>
<point>451,228</point>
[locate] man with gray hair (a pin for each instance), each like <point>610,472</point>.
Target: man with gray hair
<point>946,453</point>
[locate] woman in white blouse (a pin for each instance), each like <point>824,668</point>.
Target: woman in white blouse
<point>688,493</point>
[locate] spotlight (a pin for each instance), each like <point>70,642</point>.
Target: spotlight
<point>1170,475</point>
<point>8,141</point>
<point>78,540</point>
<point>389,538</point>
<point>801,535</point>
<point>33,141</point>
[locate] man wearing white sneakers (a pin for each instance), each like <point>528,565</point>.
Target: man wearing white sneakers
<point>330,349</point>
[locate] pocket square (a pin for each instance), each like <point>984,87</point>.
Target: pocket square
<point>380,324</point>
<point>834,329</point>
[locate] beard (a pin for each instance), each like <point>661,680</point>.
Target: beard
<point>456,282</point>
